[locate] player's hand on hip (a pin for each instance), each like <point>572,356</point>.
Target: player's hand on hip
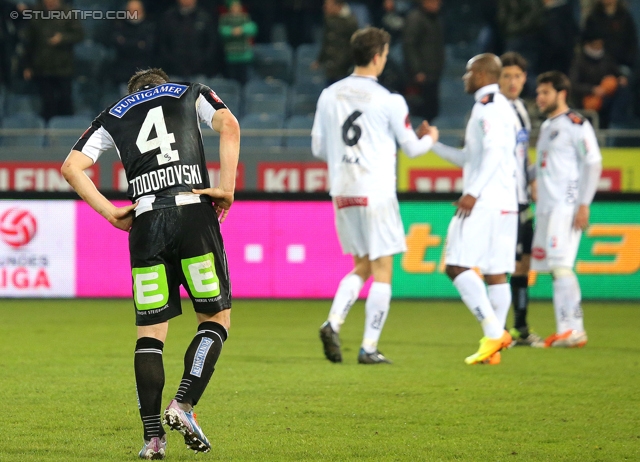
<point>465,205</point>
<point>122,217</point>
<point>581,221</point>
<point>222,200</point>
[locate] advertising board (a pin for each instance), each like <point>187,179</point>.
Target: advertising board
<point>37,248</point>
<point>284,249</point>
<point>608,262</point>
<point>274,249</point>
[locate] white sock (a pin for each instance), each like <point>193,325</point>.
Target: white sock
<point>474,295</point>
<point>346,295</point>
<point>566,303</point>
<point>500,298</point>
<point>376,311</point>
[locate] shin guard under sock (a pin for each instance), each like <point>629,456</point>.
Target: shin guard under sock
<point>520,298</point>
<point>199,361</point>
<point>149,372</point>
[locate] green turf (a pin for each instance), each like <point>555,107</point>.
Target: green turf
<point>68,392</point>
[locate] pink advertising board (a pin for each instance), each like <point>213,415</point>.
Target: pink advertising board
<point>274,249</point>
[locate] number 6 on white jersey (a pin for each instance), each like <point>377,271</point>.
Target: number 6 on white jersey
<point>163,140</point>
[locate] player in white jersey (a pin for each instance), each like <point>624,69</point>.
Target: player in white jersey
<point>357,123</point>
<point>512,80</point>
<point>483,231</point>
<point>568,167</point>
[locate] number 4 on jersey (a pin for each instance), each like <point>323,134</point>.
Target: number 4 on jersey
<point>163,140</point>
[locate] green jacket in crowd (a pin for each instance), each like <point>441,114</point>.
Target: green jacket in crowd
<point>238,48</point>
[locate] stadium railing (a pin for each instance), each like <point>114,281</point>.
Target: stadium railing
<point>627,137</point>
<point>280,166</point>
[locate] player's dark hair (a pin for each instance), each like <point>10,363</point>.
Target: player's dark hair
<point>557,79</point>
<point>365,43</point>
<point>144,77</point>
<point>512,58</point>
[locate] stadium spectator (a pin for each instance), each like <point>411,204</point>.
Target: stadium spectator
<point>8,41</point>
<point>521,25</point>
<point>300,18</point>
<point>264,15</point>
<point>586,7</point>
<point>392,20</point>
<point>483,232</point>
<point>423,46</point>
<point>157,8</point>
<point>356,126</point>
<point>619,32</point>
<point>568,169</point>
<point>559,36</point>
<point>339,26</point>
<point>134,42</point>
<point>174,235</point>
<point>597,82</point>
<point>49,57</point>
<point>393,78</point>
<point>237,31</point>
<point>188,44</point>
<point>490,38</point>
<point>512,79</point>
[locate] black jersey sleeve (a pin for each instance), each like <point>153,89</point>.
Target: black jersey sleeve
<point>95,139</point>
<point>207,103</point>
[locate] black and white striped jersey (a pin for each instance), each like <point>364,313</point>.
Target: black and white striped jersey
<point>156,132</point>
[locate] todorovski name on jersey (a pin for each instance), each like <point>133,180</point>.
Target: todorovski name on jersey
<point>160,179</point>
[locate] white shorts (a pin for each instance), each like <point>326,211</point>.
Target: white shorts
<point>369,226</point>
<point>555,241</point>
<point>486,239</point>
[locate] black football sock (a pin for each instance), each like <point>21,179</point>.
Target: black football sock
<point>199,362</point>
<point>520,297</point>
<point>149,384</point>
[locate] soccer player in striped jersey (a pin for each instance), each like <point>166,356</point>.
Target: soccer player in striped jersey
<point>174,233</point>
<point>512,80</point>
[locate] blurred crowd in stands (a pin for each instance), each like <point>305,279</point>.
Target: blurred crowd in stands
<point>269,60</point>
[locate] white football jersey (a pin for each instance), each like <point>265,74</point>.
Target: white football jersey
<point>488,158</point>
<point>565,143</point>
<point>357,123</point>
<point>522,149</point>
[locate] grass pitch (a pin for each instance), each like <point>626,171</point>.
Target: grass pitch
<point>67,385</point>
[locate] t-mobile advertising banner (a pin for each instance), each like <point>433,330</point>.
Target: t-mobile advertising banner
<point>279,249</point>
<point>274,249</point>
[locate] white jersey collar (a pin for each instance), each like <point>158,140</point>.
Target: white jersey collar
<point>561,114</point>
<point>491,88</point>
<point>375,79</point>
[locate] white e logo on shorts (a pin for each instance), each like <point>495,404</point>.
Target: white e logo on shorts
<point>201,276</point>
<point>150,287</point>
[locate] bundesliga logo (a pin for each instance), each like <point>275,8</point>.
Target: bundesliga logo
<point>17,227</point>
